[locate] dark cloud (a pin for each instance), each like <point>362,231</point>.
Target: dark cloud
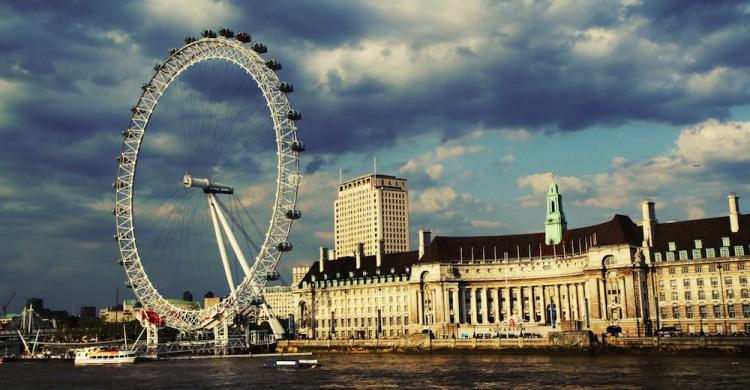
<point>74,68</point>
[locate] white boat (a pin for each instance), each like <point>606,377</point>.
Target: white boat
<point>97,355</point>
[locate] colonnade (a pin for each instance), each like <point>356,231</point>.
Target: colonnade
<point>478,304</point>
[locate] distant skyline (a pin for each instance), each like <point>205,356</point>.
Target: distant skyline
<point>474,102</point>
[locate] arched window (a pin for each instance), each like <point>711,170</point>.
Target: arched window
<point>552,206</point>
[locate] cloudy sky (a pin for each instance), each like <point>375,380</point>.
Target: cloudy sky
<point>474,102</point>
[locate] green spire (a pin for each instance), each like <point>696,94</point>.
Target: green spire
<point>555,224</point>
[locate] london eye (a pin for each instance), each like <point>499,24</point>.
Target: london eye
<point>211,150</point>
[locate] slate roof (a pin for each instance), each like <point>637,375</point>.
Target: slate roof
<point>708,230</point>
<point>619,230</point>
<point>400,262</point>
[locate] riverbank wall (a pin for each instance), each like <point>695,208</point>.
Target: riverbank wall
<point>559,341</point>
<point>566,340</point>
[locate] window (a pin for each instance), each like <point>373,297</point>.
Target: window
<point>688,295</point>
<point>688,312</point>
<point>730,294</point>
<point>712,268</point>
<point>674,295</point>
<point>673,283</point>
<point>662,297</point>
<point>714,282</point>
<point>717,311</point>
<point>743,280</point>
<point>746,310</point>
<point>728,280</point>
<point>686,283</point>
<point>663,312</point>
<point>701,294</point>
<point>714,294</point>
<point>740,266</point>
<point>661,284</point>
<point>683,255</point>
<point>698,268</point>
<point>702,311</point>
<point>659,271</point>
<point>744,293</point>
<point>725,241</point>
<point>739,251</point>
<point>672,246</point>
<point>696,253</point>
<point>671,270</point>
<point>685,269</point>
<point>724,252</point>
<point>657,256</point>
<point>675,312</point>
<point>698,244</point>
<point>670,256</point>
<point>699,282</point>
<point>710,253</point>
<point>730,311</point>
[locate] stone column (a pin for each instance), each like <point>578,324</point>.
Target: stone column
<point>485,305</point>
<point>508,310</point>
<point>543,301</point>
<point>460,305</point>
<point>629,297</point>
<point>456,318</point>
<point>593,295</point>
<point>603,299</point>
<point>473,297</point>
<point>497,305</point>
<point>532,305</point>
<point>623,301</point>
<point>413,306</point>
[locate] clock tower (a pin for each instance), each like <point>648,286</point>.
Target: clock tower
<point>555,224</point>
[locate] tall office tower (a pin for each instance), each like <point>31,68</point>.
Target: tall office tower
<point>369,209</point>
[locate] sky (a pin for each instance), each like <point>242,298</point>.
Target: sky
<point>474,102</point>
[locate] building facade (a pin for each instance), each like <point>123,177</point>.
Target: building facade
<point>279,299</point>
<point>635,277</point>
<point>369,209</point>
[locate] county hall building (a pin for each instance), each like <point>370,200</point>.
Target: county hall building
<point>636,276</point>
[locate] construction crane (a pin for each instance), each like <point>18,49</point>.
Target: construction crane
<point>7,303</point>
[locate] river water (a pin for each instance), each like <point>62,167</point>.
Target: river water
<point>392,370</point>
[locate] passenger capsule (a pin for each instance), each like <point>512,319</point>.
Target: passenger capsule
<point>273,65</point>
<point>242,37</point>
<point>271,276</point>
<point>297,146</point>
<point>189,40</point>
<point>286,87</point>
<point>294,115</point>
<point>293,214</point>
<point>172,51</point>
<point>284,246</point>
<point>259,47</point>
<point>256,301</point>
<point>226,33</point>
<point>157,67</point>
<point>208,34</point>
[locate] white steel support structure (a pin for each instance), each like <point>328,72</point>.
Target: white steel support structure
<point>249,290</point>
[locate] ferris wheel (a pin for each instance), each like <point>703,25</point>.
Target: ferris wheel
<point>248,277</point>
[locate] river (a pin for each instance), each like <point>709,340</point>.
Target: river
<point>397,370</point>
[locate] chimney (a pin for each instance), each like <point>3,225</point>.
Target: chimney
<point>359,253</point>
<point>425,236</point>
<point>323,258</point>
<point>380,253</point>
<point>649,222</point>
<point>734,212</point>
<point>331,254</point>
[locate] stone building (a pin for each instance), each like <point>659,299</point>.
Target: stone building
<point>637,277</point>
<point>369,209</point>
